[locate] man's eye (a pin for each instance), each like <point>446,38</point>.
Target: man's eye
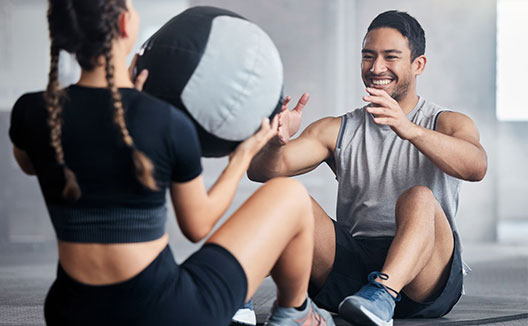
<point>392,57</point>
<point>367,57</point>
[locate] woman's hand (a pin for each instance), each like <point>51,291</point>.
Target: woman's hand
<point>140,79</point>
<point>251,146</point>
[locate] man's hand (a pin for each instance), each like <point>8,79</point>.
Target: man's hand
<point>141,78</point>
<point>387,111</point>
<point>290,121</point>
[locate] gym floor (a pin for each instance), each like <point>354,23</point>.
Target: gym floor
<point>496,289</point>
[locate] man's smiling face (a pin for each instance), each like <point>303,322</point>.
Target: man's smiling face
<point>386,62</point>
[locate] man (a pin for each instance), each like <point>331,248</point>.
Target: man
<point>399,162</point>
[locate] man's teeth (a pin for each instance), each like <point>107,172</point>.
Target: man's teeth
<point>381,82</point>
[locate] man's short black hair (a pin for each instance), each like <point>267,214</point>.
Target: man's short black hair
<point>407,25</point>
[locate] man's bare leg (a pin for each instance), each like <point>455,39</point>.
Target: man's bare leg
<point>419,256</point>
<point>324,247</point>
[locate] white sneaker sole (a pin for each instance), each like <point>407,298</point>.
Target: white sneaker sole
<point>361,316</point>
<point>245,317</point>
<point>374,318</point>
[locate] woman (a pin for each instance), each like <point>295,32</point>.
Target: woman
<point>104,155</point>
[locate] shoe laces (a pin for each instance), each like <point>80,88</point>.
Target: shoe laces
<point>316,315</point>
<point>375,289</point>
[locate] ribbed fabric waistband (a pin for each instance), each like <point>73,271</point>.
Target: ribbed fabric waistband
<point>108,225</point>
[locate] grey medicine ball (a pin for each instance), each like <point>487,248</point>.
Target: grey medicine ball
<point>220,69</point>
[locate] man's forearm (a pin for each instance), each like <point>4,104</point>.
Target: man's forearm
<point>267,163</point>
<point>455,156</point>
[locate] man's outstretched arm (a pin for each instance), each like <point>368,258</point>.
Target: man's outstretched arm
<point>282,157</point>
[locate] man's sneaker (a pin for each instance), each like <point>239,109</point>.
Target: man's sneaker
<point>371,305</point>
<point>310,316</point>
<point>245,315</point>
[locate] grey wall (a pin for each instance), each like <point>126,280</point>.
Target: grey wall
<point>512,178</point>
<point>23,67</point>
<point>320,44</point>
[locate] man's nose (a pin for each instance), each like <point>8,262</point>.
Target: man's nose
<point>378,66</point>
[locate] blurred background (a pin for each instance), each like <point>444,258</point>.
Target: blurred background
<point>476,53</point>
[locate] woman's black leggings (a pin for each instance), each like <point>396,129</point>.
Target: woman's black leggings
<point>206,289</point>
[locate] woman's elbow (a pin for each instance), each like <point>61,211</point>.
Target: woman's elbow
<point>195,234</point>
<point>193,239</point>
<point>24,162</point>
<point>28,170</point>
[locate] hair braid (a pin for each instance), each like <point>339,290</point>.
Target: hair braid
<point>143,166</point>
<point>53,95</point>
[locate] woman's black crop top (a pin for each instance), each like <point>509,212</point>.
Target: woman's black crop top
<point>114,207</point>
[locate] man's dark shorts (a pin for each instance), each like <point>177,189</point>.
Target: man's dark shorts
<point>357,257</point>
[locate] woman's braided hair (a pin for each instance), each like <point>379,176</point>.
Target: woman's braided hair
<point>87,28</point>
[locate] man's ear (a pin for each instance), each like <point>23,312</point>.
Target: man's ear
<point>419,64</point>
<point>123,24</point>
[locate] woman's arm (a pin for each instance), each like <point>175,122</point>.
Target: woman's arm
<point>23,161</point>
<point>198,210</point>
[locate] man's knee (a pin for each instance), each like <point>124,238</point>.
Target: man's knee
<point>416,193</point>
<point>416,202</point>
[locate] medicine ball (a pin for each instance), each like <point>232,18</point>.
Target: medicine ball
<point>220,69</point>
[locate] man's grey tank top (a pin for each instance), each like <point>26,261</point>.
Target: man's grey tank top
<point>374,167</point>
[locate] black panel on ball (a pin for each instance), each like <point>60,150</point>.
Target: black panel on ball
<point>172,54</point>
<point>213,146</point>
<point>182,40</point>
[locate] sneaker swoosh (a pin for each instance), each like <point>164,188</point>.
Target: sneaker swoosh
<point>311,319</point>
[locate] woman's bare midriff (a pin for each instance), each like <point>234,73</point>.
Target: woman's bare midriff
<point>103,264</point>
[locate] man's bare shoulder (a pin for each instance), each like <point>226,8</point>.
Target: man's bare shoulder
<point>324,125</point>
<point>327,122</point>
<point>325,131</point>
<point>451,121</point>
